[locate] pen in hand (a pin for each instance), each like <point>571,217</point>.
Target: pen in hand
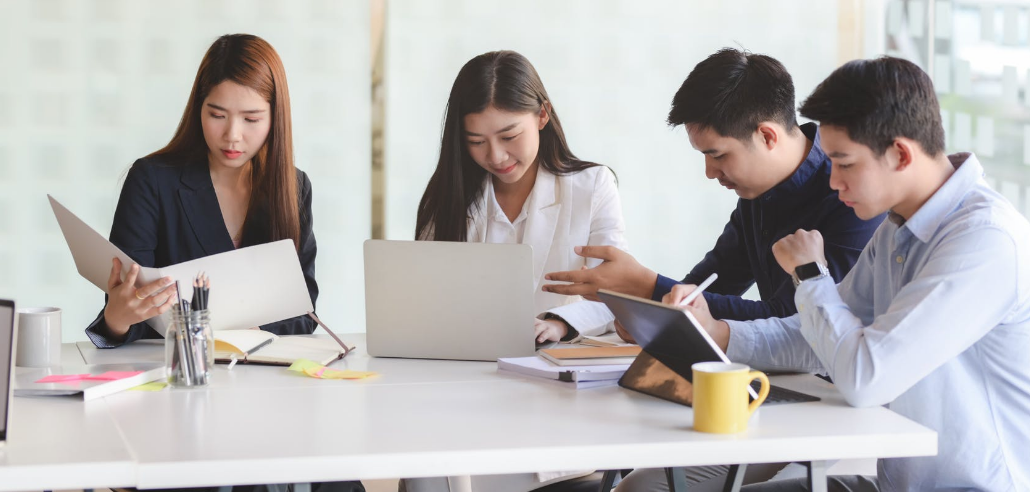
<point>697,291</point>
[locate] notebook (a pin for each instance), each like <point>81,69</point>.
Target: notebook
<point>262,347</point>
<point>590,356</point>
<point>27,379</point>
<point>252,286</point>
<point>579,377</point>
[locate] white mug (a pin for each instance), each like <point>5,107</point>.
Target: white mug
<point>39,337</point>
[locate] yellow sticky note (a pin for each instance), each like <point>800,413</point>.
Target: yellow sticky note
<point>318,371</point>
<point>151,386</point>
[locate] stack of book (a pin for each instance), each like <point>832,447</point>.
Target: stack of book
<point>579,367</point>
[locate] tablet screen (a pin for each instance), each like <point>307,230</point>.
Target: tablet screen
<point>665,332</point>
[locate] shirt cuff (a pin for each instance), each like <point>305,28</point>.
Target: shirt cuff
<point>742,341</point>
<point>662,285</point>
<point>813,293</point>
<point>809,296</point>
<point>572,335</point>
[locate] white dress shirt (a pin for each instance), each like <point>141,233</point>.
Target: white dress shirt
<point>933,322</point>
<point>562,212</point>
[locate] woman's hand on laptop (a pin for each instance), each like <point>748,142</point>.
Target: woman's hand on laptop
<point>619,271</point>
<point>717,329</point>
<point>127,305</point>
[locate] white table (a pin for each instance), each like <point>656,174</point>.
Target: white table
<point>430,418</point>
<point>61,443</point>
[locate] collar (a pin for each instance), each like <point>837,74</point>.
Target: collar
<point>543,195</point>
<point>927,220</point>
<point>815,162</point>
<point>196,175</point>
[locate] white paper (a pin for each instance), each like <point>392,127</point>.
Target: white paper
<point>963,135</point>
<point>942,73</point>
<point>942,27</point>
<point>985,136</point>
<point>250,286</point>
<point>963,78</point>
<point>1010,85</point>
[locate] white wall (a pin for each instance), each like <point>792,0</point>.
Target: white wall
<point>611,68</point>
<point>89,86</point>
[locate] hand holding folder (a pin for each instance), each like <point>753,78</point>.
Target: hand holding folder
<point>258,285</point>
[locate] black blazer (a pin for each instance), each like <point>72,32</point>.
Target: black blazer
<point>168,213</point>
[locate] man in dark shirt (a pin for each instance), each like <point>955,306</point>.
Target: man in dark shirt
<point>738,109</point>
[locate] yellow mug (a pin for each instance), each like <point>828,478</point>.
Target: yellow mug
<point>721,394</point>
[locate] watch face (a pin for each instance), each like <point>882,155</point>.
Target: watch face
<point>807,271</point>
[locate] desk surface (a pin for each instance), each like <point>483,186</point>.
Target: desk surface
<point>421,418</point>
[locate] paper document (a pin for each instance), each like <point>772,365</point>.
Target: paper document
<point>251,286</point>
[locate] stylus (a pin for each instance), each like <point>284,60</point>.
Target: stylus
<point>696,292</point>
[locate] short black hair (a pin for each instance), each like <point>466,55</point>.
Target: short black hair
<point>732,91</point>
<point>877,101</point>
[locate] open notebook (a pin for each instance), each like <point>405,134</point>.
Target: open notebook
<point>262,347</point>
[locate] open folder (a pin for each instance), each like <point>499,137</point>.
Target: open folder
<point>251,286</point>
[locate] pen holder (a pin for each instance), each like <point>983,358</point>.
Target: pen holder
<point>189,348</point>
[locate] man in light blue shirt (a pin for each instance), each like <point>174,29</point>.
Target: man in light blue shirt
<point>934,319</point>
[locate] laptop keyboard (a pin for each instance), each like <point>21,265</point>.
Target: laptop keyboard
<point>779,394</point>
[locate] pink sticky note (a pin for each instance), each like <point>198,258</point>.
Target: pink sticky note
<point>63,378</point>
<point>113,375</point>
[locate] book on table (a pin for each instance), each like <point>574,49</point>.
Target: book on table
<point>262,347</point>
<point>580,377</point>
<point>590,356</point>
<point>87,382</point>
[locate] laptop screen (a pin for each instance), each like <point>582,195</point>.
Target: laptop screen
<point>6,362</point>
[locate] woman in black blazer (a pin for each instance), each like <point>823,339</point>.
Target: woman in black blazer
<point>226,180</point>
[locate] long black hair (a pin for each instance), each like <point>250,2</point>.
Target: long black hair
<point>507,81</point>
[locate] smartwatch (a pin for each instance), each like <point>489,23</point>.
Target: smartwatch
<point>809,271</point>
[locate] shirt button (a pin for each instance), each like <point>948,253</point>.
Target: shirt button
<point>899,259</point>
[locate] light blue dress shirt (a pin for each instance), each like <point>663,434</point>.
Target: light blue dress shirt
<point>934,322</point>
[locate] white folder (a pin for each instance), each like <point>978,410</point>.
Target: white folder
<point>250,286</point>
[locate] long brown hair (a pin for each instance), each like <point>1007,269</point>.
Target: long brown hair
<point>251,62</point>
<point>507,81</point>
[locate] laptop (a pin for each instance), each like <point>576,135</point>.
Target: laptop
<point>675,339</point>
<point>449,300</point>
<point>7,344</point>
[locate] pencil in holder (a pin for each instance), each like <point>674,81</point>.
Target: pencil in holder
<point>189,348</point>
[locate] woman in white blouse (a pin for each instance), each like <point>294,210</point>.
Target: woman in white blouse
<point>506,175</point>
